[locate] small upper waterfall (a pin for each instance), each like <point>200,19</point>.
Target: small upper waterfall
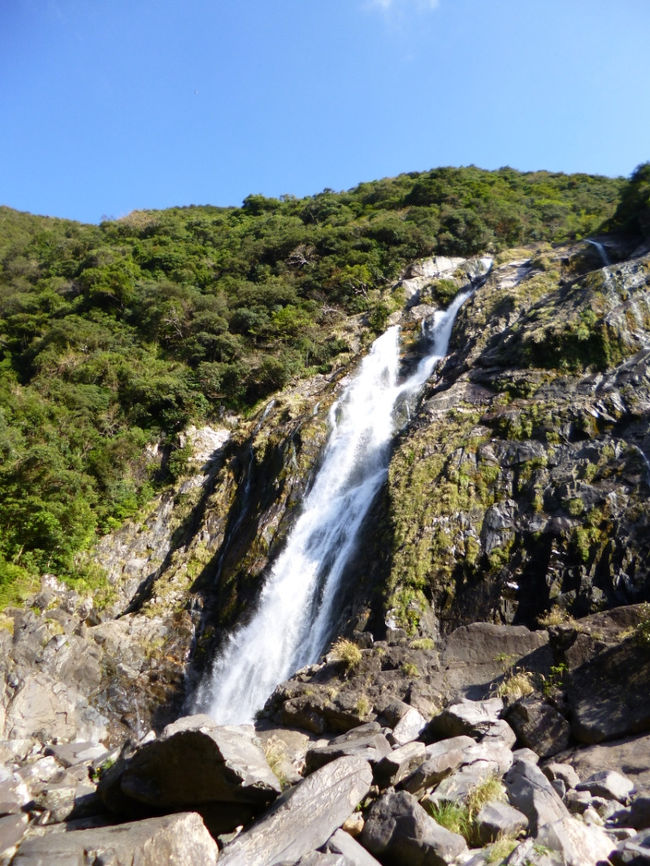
<point>293,620</point>
<point>601,250</point>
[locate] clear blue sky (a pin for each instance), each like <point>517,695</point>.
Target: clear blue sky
<point>112,105</point>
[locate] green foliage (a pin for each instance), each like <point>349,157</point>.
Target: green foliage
<point>117,335</point>
<point>633,213</point>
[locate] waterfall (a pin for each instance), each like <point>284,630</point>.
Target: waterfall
<point>602,251</point>
<point>293,620</point>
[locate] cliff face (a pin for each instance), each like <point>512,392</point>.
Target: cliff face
<point>519,484</point>
<point>523,481</point>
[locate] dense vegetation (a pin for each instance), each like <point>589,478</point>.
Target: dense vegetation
<point>116,335</point>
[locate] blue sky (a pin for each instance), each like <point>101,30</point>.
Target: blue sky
<point>112,105</point>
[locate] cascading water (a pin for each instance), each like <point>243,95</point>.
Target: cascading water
<point>293,620</point>
<point>601,251</point>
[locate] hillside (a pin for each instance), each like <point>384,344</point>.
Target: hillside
<point>390,557</point>
<point>115,337</point>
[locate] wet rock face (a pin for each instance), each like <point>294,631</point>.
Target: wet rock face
<point>523,480</point>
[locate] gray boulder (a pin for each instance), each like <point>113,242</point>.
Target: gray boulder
<point>609,695</point>
<point>399,764</point>
<point>539,726</point>
<point>12,830</point>
<point>399,831</point>
<point>355,854</point>
<point>634,851</point>
<point>473,718</point>
<point>441,759</point>
<point>367,742</point>
<point>608,784</point>
<point>550,822</point>
<point>181,839</point>
<point>304,818</point>
<point>195,764</point>
<point>499,819</point>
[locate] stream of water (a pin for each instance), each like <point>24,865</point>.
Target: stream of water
<point>296,609</point>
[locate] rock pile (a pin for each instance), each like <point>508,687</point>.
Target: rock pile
<point>455,789</point>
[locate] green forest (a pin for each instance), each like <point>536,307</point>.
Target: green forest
<point>118,335</point>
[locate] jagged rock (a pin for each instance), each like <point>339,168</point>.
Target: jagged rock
<point>398,831</point>
<point>473,718</point>
<point>408,727</point>
<point>12,830</point>
<point>565,772</point>
<point>399,764</point>
<point>634,851</point>
<point>577,802</point>
<point>441,759</point>
<point>636,815</point>
<point>609,695</point>
<point>499,819</point>
<point>525,754</point>
<point>69,754</point>
<point>195,763</point>
<point>367,742</point>
<point>538,726</point>
<point>628,755</point>
<point>304,818</point>
<point>181,839</point>
<point>608,784</point>
<point>530,791</point>
<point>13,794</point>
<point>501,732</point>
<point>318,858</point>
<point>550,822</point>
<point>354,853</point>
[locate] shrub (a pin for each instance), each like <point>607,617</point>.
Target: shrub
<point>347,652</point>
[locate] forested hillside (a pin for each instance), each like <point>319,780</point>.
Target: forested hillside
<point>119,335</point>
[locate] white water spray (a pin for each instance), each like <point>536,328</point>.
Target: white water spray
<point>602,251</point>
<point>293,620</point>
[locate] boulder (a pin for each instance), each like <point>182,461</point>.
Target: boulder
<point>499,819</point>
<point>634,851</point>
<point>196,764</point>
<point>367,742</point>
<point>399,831</point>
<point>12,830</point>
<point>608,784</point>
<point>13,794</point>
<point>565,772</point>
<point>473,718</point>
<point>408,727</point>
<point>550,822</point>
<point>354,853</point>
<point>304,818</point>
<point>399,764</point>
<point>441,759</point>
<point>629,755</point>
<point>538,726</point>
<point>609,696</point>
<point>181,839</point>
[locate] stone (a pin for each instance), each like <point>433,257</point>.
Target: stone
<point>399,764</point>
<point>630,756</point>
<point>634,851</point>
<point>181,839</point>
<point>609,696</point>
<point>473,718</point>
<point>499,819</point>
<point>12,830</point>
<point>69,754</point>
<point>538,726</point>
<point>608,784</point>
<point>354,853</point>
<point>399,831</point>
<point>577,802</point>
<point>195,763</point>
<point>565,772</point>
<point>530,791</point>
<point>366,741</point>
<point>409,727</point>
<point>550,822</point>
<point>441,759</point>
<point>304,818</point>
<point>13,794</point>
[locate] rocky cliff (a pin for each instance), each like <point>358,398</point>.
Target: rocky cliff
<point>516,497</point>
